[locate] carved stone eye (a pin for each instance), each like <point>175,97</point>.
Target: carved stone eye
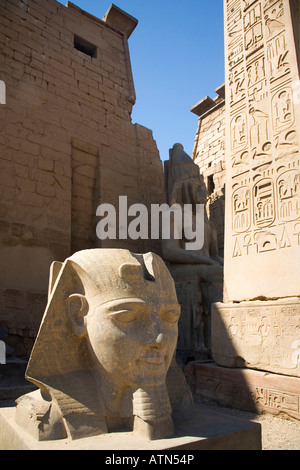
<point>170,316</point>
<point>126,315</point>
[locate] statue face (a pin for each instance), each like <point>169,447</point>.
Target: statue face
<point>110,327</point>
<point>199,190</point>
<point>201,195</point>
<point>134,338</point>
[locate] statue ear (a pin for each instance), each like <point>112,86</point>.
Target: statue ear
<point>78,308</point>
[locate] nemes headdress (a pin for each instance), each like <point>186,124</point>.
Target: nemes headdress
<point>58,362</point>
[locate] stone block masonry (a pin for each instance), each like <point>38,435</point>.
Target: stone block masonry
<point>257,326</point>
<point>247,389</point>
<point>209,155</point>
<point>250,145</point>
<point>262,151</point>
<point>67,144</point>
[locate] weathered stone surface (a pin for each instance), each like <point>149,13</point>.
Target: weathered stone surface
<point>246,389</point>
<point>257,326</point>
<point>207,430</point>
<point>67,144</point>
<point>120,20</point>
<point>262,243</point>
<point>198,272</point>
<point>259,334</point>
<point>209,155</point>
<point>104,356</point>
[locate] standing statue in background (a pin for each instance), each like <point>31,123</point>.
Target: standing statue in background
<point>105,350</point>
<point>198,274</point>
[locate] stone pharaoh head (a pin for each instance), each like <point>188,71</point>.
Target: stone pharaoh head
<point>104,347</point>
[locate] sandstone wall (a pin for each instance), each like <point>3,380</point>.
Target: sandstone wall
<point>67,144</point>
<point>209,154</point>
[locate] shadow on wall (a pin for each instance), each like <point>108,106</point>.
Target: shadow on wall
<point>217,217</point>
<point>224,386</point>
<point>23,293</point>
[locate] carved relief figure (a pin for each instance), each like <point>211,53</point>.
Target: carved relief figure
<point>104,349</point>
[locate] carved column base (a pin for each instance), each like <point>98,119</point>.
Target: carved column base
<point>261,335</point>
<point>245,389</point>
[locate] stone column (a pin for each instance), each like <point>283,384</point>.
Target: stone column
<point>258,326</point>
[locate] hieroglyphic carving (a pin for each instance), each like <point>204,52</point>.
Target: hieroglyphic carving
<point>283,113</point>
<point>288,193</point>
<point>237,85</point>
<point>248,3</point>
<point>269,239</point>
<point>265,241</point>
<point>268,3</point>
<point>286,145</point>
<point>259,132</point>
<point>239,162</point>
<point>263,203</point>
<point>262,333</point>
<point>234,26</point>
<point>241,209</point>
<point>239,132</point>
<point>252,390</point>
<point>234,31</point>
<point>273,21</point>
<point>253,28</point>
<point>279,400</point>
<point>263,131</point>
<point>236,55</point>
<point>255,73</point>
<point>277,57</point>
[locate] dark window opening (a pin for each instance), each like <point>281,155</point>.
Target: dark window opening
<point>84,46</point>
<point>210,185</point>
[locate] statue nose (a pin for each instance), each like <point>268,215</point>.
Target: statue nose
<point>159,339</point>
<point>153,332</point>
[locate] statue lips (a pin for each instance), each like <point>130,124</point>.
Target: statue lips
<point>152,361</point>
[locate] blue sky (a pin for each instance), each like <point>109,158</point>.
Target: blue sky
<point>177,58</point>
